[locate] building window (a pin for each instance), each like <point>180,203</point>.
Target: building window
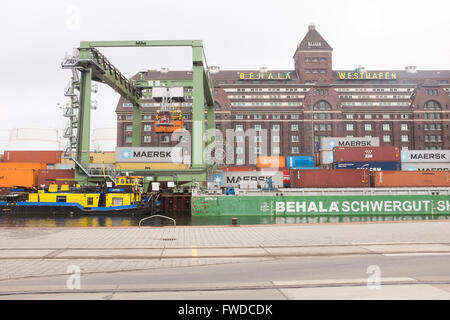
<point>239,127</point>
<point>367,116</point>
<point>308,70</point>
<point>128,139</point>
<point>386,116</point>
<point>147,127</point>
<point>129,117</point>
<point>307,60</point>
<point>294,116</point>
<point>258,139</point>
<point>405,138</point>
<point>217,105</point>
<point>239,139</point>
<point>349,116</point>
<point>239,117</point>
<point>239,150</point>
<point>386,127</point>
<point>367,127</point>
<point>146,117</point>
<point>276,127</point>
<point>275,138</point>
<point>258,116</point>
<point>147,139</point>
<point>386,138</point>
<point>404,127</point>
<point>432,105</point>
<point>164,139</point>
<point>129,128</point>
<point>294,150</point>
<point>322,105</point>
<point>276,150</point>
<point>257,150</point>
<point>217,115</point>
<point>323,59</point>
<point>276,116</point>
<point>294,138</point>
<point>257,127</point>
<point>294,127</point>
<point>349,126</point>
<point>315,71</point>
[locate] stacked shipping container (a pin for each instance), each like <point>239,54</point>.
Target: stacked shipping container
<point>425,160</point>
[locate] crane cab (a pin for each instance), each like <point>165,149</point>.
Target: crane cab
<point>167,122</point>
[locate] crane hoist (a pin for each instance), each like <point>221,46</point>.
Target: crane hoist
<point>168,118</point>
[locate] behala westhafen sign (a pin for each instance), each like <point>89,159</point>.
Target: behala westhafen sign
<point>265,76</point>
<point>352,75</point>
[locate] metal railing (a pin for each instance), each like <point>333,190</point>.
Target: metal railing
<point>158,215</point>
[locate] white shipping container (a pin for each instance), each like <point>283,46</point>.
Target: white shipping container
<point>326,157</point>
<point>425,156</point>
<point>328,143</point>
<point>416,166</point>
<point>251,178</point>
<point>149,154</point>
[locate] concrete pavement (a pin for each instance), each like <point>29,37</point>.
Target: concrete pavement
<point>41,253</point>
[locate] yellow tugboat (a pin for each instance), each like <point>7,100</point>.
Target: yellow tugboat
<point>124,198</point>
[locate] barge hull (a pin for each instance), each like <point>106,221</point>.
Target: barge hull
<point>20,209</point>
<point>332,205</point>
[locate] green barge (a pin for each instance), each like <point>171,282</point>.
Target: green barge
<point>323,202</point>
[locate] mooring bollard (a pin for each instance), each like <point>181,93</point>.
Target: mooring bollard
<point>234,222</point>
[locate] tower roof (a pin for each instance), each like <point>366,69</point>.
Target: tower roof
<point>313,41</point>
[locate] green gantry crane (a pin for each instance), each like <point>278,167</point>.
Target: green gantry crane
<point>93,66</point>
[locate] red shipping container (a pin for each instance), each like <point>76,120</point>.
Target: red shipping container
<point>330,178</point>
<point>48,157</point>
<point>412,179</point>
<point>238,168</point>
<point>56,176</point>
<point>366,154</point>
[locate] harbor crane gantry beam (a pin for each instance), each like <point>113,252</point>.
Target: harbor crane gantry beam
<point>94,66</point>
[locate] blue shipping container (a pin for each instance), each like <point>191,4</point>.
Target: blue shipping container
<point>372,166</point>
<point>299,161</point>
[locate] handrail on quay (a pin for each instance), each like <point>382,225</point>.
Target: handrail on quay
<point>158,215</point>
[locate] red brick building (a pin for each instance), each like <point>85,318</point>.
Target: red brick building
<point>407,108</point>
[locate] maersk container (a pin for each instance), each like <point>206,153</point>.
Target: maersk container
<point>235,178</point>
<point>412,179</point>
<point>299,161</point>
<point>328,143</point>
<point>330,178</point>
<point>363,154</point>
<point>425,156</point>
<point>371,166</point>
<point>416,166</point>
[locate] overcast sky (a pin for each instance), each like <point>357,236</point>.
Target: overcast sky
<point>239,35</point>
